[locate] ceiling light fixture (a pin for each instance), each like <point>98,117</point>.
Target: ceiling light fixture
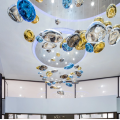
<point>41,96</point>
<point>56,63</point>
<point>92,3</point>
<point>20,95</point>
<point>41,88</point>
<point>44,55</point>
<point>76,52</point>
<point>48,60</point>
<point>103,91</point>
<point>65,62</point>
<point>81,95</point>
<point>21,87</point>
<point>68,53</point>
<point>80,88</point>
<point>52,50</point>
<point>101,86</point>
<point>52,1</point>
<point>73,58</point>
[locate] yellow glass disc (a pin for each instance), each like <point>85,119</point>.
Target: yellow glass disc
<point>116,26</point>
<point>106,23</point>
<point>64,41</point>
<point>38,67</point>
<point>82,42</point>
<point>58,54</point>
<point>99,47</point>
<point>52,59</point>
<point>72,73</point>
<point>68,78</point>
<point>49,74</point>
<point>36,20</point>
<point>39,1</point>
<point>111,11</point>
<point>29,36</point>
<point>79,68</point>
<point>99,19</point>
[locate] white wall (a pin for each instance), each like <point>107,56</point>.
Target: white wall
<point>118,105</point>
<point>59,106</point>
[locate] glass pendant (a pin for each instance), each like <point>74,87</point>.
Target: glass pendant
<point>39,39</point>
<point>26,10</point>
<point>49,45</point>
<point>54,71</point>
<point>66,3</point>
<point>36,20</point>
<point>100,19</point>
<point>57,21</point>
<point>69,66</point>
<point>14,14</point>
<point>49,84</point>
<point>64,41</point>
<point>108,25</point>
<point>79,3</point>
<point>42,67</point>
<point>58,54</point>
<point>89,47</point>
<point>49,74</point>
<point>39,1</point>
<point>114,36</point>
<point>64,76</point>
<point>96,32</point>
<point>73,40</point>
<point>111,11</point>
<point>51,35</point>
<point>69,84</point>
<point>61,60</point>
<point>29,35</point>
<point>98,47</point>
<point>78,73</point>
<point>66,47</point>
<point>60,92</point>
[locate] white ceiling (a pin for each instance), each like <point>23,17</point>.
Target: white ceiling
<point>18,61</point>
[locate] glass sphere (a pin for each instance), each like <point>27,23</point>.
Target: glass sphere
<point>29,35</point>
<point>79,3</point>
<point>89,47</point>
<point>69,84</point>
<point>26,10</point>
<point>66,3</point>
<point>36,20</point>
<point>69,66</point>
<point>98,47</point>
<point>39,39</point>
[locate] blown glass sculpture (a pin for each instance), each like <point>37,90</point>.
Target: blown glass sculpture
<point>26,10</point>
<point>66,3</point>
<point>66,47</point>
<point>89,47</point>
<point>39,39</point>
<point>69,66</point>
<point>69,84</point>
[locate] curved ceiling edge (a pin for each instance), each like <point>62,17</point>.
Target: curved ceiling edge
<point>68,19</point>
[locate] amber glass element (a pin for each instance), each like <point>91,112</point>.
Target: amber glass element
<point>49,74</point>
<point>106,23</point>
<point>100,19</point>
<point>98,47</point>
<point>111,11</point>
<point>39,1</point>
<point>58,54</point>
<point>36,20</point>
<point>29,36</point>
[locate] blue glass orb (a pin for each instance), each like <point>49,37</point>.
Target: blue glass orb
<point>26,10</point>
<point>69,84</point>
<point>66,3</point>
<point>66,47</point>
<point>53,83</point>
<point>39,39</point>
<point>44,77</point>
<point>69,66</point>
<point>64,81</point>
<point>49,84</point>
<point>89,47</point>
<point>81,71</point>
<point>78,76</point>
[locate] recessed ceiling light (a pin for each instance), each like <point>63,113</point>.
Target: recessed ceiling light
<point>54,57</point>
<point>71,6</point>
<point>103,91</point>
<point>41,96</point>
<point>92,3</point>
<point>80,87</point>
<point>65,62</point>
<point>73,58</point>
<point>41,88</point>
<point>21,87</point>
<point>20,95</point>
<point>52,1</point>
<point>61,96</point>
<point>56,63</point>
<point>76,52</point>
<point>60,88</point>
<point>44,55</point>
<point>68,53</point>
<point>81,95</point>
<point>48,60</point>
<point>52,50</point>
<point>101,85</point>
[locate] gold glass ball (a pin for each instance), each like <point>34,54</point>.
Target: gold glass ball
<point>106,23</point>
<point>39,1</point>
<point>72,73</point>
<point>98,47</point>
<point>82,42</point>
<point>38,67</point>
<point>100,19</point>
<point>36,20</point>
<point>116,26</point>
<point>49,74</point>
<point>58,54</point>
<point>111,11</point>
<point>29,36</point>
<point>47,82</point>
<point>79,68</point>
<point>52,59</point>
<point>68,78</point>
